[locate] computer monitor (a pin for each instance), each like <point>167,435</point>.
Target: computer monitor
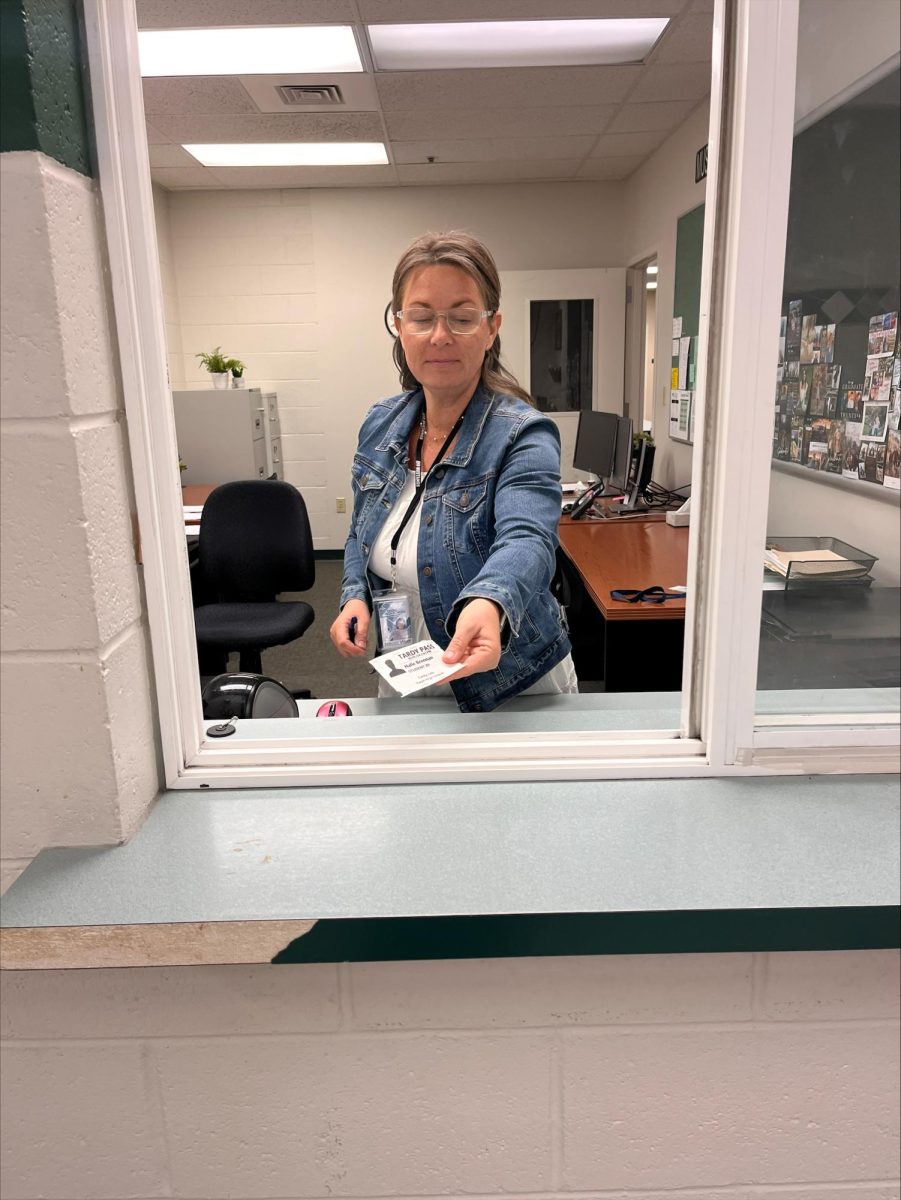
<point>639,479</point>
<point>622,459</point>
<point>595,442</point>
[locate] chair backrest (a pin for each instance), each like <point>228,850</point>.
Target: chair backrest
<point>255,540</point>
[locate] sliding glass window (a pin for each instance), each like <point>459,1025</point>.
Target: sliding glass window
<point>831,607</point>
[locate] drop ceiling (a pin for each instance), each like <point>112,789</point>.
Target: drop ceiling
<point>440,127</point>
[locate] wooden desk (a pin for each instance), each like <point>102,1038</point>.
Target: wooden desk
<point>196,493</point>
<point>629,553</point>
<point>633,647</point>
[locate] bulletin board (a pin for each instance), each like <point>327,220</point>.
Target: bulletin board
<point>686,323</point>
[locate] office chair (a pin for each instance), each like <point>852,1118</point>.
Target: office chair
<point>255,542</point>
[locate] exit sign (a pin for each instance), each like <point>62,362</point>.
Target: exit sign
<point>701,164</point>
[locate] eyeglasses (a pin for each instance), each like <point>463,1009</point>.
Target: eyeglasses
<point>459,321</point>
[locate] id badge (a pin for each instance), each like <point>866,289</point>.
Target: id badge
<point>393,623</point>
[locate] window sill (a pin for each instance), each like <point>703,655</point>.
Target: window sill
<point>483,870</point>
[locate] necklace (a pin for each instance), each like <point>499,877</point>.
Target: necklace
<point>427,433</point>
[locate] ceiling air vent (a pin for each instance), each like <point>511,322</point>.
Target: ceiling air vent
<point>310,93</point>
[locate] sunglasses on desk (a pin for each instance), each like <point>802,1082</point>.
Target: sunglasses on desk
<point>648,595</point>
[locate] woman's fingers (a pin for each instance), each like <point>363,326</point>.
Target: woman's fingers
<point>350,630</point>
<point>476,643</point>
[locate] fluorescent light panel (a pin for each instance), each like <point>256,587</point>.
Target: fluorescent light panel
<point>651,269</point>
<point>651,287</point>
<point>289,154</point>
<point>452,44</point>
<point>249,50</point>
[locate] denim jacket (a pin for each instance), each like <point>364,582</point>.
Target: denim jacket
<point>489,528</point>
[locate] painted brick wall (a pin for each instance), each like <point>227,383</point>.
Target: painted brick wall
<point>79,728</point>
<point>706,1076</point>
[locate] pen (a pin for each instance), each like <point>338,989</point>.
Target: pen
<point>352,629</point>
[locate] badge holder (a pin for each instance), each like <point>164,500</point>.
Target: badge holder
<point>394,627</point>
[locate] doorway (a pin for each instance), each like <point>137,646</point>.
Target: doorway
<point>641,341</point>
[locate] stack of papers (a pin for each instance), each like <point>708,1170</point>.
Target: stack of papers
<point>812,562</point>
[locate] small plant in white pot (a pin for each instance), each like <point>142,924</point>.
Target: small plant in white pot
<point>217,364</point>
<point>237,371</point>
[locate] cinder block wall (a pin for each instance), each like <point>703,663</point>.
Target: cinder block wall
<point>79,728</point>
<point>708,1076</point>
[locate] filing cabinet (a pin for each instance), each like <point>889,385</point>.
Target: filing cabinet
<point>229,434</point>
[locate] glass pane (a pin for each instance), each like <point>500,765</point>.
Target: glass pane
<point>561,336</point>
<point>832,581</point>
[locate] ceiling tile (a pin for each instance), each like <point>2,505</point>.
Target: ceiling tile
<point>610,168</point>
<point>688,82</point>
<point>492,149</point>
<point>184,177</point>
<point>690,40</point>
<point>154,135</point>
<point>193,14</point>
<point>265,127</point>
<point>499,122</point>
<point>496,172</point>
<point>197,94</point>
<point>170,156</point>
<point>387,11</point>
<point>622,145</point>
<point>507,87</point>
<point>640,118</point>
<point>305,177</point>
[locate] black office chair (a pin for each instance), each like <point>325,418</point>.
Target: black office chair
<point>255,542</point>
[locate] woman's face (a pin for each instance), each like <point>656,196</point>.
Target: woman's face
<point>447,365</point>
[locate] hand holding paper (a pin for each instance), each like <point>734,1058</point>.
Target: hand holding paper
<point>414,667</point>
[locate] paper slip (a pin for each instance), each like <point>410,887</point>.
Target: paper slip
<point>414,667</point>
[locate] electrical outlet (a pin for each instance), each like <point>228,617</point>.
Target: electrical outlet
<point>340,504</point>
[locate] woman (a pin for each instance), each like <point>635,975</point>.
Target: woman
<point>456,487</point>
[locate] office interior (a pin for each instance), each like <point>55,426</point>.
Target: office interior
<point>577,179</point>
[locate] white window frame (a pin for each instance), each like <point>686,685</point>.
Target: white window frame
<point>752,102</point>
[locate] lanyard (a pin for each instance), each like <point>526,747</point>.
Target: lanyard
<point>421,481</point>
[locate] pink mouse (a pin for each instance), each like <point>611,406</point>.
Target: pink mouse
<point>334,708</point>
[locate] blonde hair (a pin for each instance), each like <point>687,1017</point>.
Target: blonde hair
<point>461,250</point>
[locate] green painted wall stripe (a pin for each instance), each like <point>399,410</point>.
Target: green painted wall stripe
<point>42,85</point>
<point>390,939</point>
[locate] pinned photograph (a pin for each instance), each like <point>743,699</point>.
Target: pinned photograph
<point>892,476</point>
<point>872,462</point>
<point>851,449</point>
<point>889,332</point>
<point>883,334</point>
<point>817,405</point>
<point>835,448</point>
<point>875,422</point>
<point>879,380</point>
<point>894,411</point>
<point>796,445</point>
<point>851,405</point>
<point>793,330</point>
<point>818,447</point>
<point>827,343</point>
<point>833,381</point>
<point>805,381</point>
<point>808,338</point>
<point>792,371</point>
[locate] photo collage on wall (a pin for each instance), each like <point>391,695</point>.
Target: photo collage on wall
<point>844,420</point>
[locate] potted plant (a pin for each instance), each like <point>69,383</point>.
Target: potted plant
<point>217,364</point>
<point>237,371</point>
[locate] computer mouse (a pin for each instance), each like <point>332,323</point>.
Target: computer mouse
<point>334,708</point>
